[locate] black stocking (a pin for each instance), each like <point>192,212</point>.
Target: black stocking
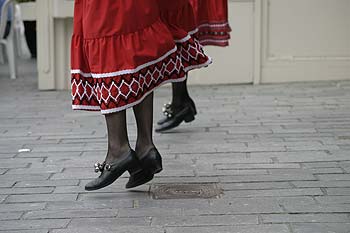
<point>180,93</point>
<point>144,120</point>
<point>118,142</point>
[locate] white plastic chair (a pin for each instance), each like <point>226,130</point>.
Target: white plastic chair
<point>8,42</point>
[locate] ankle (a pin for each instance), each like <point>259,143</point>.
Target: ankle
<point>178,103</point>
<point>143,149</point>
<point>117,152</point>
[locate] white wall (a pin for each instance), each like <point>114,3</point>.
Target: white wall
<point>305,40</point>
<point>272,41</point>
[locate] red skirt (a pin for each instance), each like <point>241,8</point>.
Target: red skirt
<point>121,51</point>
<point>212,21</point>
<point>180,19</point>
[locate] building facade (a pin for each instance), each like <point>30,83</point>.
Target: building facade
<point>272,41</point>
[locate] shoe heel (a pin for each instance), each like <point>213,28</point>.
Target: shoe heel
<point>134,165</point>
<point>153,163</point>
<point>189,118</point>
<point>156,167</point>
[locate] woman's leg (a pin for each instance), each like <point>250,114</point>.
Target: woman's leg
<point>120,157</point>
<point>180,94</point>
<point>144,120</point>
<point>181,109</point>
<point>118,142</point>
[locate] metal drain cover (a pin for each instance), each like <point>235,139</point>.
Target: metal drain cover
<point>185,191</point>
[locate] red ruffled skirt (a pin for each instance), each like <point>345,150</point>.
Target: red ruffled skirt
<point>212,21</point>
<point>122,50</point>
<point>180,19</point>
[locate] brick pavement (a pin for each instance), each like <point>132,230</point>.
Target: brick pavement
<point>280,154</point>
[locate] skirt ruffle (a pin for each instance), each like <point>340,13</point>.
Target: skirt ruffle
<point>212,22</point>
<point>180,19</point>
<point>119,92</point>
<point>116,67</point>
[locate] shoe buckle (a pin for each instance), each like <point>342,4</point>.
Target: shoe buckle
<point>100,167</point>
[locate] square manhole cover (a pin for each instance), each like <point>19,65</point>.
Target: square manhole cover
<point>186,191</point>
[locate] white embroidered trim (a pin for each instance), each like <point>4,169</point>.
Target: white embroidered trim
<point>189,68</point>
<point>215,41</point>
<point>122,72</point>
<point>186,38</point>
<point>113,110</point>
<point>214,25</point>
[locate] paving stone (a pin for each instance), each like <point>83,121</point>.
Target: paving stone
<point>2,198</point>
<point>111,196</point>
<point>267,178</point>
<point>2,171</point>
<point>149,212</point>
<point>29,231</point>
<point>21,207</point>
<point>40,198</point>
<point>23,177</point>
<point>7,184</point>
<point>91,205</point>
<point>321,184</point>
<point>302,156</point>
<point>19,162</point>
<point>83,173</point>
<point>336,177</point>
<point>334,199</point>
<point>338,191</point>
<point>317,208</point>
<point>209,220</point>
<point>256,166</point>
<point>68,214</point>
<point>256,186</point>
<point>326,171</point>
<point>110,222</point>
<point>112,228</point>
<point>305,218</point>
<point>200,171</point>
<point>274,192</point>
<point>321,228</point>
<point>276,228</point>
<point>39,190</point>
<point>34,170</point>
<point>236,206</point>
<point>33,224</point>
<point>280,152</point>
<point>10,215</point>
<point>46,183</point>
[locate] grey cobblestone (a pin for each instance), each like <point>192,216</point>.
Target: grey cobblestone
<point>112,228</point>
<point>40,198</point>
<point>305,218</point>
<point>338,191</point>
<point>280,153</point>
<point>10,215</point>
<point>33,224</point>
<point>68,214</point>
<point>334,199</point>
<point>321,184</point>
<point>209,220</point>
<point>276,228</point>
<point>21,207</point>
<point>29,231</point>
<point>2,198</point>
<point>274,193</point>
<point>39,190</point>
<point>321,228</point>
<point>46,183</point>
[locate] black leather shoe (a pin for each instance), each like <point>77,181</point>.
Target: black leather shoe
<point>111,172</point>
<point>175,116</point>
<point>168,106</point>
<point>151,164</point>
